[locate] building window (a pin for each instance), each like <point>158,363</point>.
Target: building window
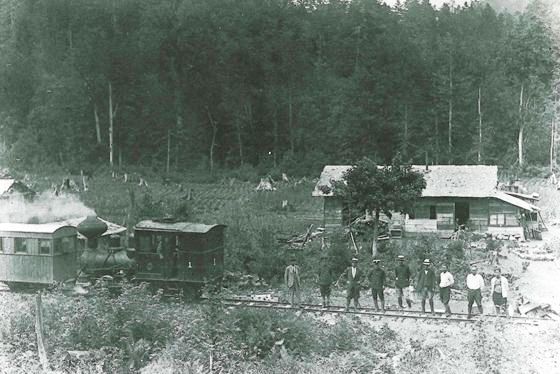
<point>44,247</point>
<point>433,212</point>
<point>498,219</point>
<point>1,245</point>
<point>20,245</point>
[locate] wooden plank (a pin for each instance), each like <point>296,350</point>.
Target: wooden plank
<point>26,268</point>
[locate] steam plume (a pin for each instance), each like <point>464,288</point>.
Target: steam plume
<point>46,207</point>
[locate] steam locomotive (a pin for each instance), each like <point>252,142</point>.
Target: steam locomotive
<point>167,254</point>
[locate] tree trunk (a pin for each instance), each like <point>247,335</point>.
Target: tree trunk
<point>405,142</point>
<point>479,127</point>
<point>97,125</point>
<point>213,143</point>
<point>112,114</point>
<point>436,131</point>
<point>375,233</point>
<point>552,140</point>
<point>450,117</point>
<point>521,128</point>
<point>275,144</point>
<point>168,161</point>
<point>291,122</point>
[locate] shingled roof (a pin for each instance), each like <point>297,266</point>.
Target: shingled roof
<point>441,180</point>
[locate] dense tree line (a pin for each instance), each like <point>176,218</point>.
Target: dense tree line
<point>291,84</point>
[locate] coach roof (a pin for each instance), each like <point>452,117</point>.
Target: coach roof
<point>199,228</point>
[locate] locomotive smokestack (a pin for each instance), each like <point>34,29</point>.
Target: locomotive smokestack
<point>92,228</point>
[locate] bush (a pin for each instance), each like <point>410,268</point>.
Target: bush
<point>256,332</point>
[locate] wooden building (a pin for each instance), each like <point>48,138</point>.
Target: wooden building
<point>37,253</point>
<point>455,196</point>
<point>10,187</point>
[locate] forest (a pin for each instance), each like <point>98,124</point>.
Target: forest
<point>276,84</point>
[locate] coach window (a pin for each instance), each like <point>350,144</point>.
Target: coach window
<point>44,247</point>
<point>20,245</point>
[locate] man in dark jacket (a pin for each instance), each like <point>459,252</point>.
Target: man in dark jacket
<point>376,277</point>
<point>426,285</point>
<point>402,281</point>
<point>325,280</point>
<point>353,277</point>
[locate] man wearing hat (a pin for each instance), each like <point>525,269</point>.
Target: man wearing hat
<point>325,279</point>
<point>291,278</point>
<point>402,281</point>
<point>353,277</point>
<point>426,284</point>
<point>376,277</point>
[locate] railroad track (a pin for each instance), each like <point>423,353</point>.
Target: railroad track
<point>391,313</point>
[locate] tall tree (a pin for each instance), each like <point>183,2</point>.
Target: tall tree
<point>386,189</point>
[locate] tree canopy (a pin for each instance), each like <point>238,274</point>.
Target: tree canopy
<point>380,189</point>
<point>285,84</point>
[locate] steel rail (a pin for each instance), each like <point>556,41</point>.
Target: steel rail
<point>389,313</point>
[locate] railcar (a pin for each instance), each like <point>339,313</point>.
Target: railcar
<point>37,254</point>
<point>179,255</point>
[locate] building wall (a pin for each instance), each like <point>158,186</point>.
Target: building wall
<point>438,215</point>
<point>332,211</point>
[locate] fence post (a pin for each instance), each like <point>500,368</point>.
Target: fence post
<point>39,331</point>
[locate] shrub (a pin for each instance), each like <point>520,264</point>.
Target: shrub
<point>256,332</point>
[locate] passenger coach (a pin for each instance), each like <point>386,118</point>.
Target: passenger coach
<point>179,255</point>
<point>37,254</point>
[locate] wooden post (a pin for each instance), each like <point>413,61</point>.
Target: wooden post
<point>39,331</point>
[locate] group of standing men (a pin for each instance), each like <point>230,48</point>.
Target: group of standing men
<point>426,285</point>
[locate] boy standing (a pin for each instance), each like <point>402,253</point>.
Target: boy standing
<point>499,290</point>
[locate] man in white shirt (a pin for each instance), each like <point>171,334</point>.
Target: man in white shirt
<point>475,284</point>
<point>445,282</point>
<point>499,288</point>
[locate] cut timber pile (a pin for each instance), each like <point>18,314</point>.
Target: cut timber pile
<point>538,310</point>
<point>300,240</point>
<point>543,253</point>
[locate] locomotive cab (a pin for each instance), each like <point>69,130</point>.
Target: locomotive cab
<point>179,255</point>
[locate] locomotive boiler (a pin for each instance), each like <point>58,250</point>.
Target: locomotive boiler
<point>103,255</point>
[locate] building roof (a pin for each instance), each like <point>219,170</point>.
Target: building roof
<point>198,228</point>
<point>40,228</point>
<point>441,180</point>
<point>9,185</point>
<point>522,196</point>
<point>112,228</point>
<point>477,181</point>
<point>515,201</point>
